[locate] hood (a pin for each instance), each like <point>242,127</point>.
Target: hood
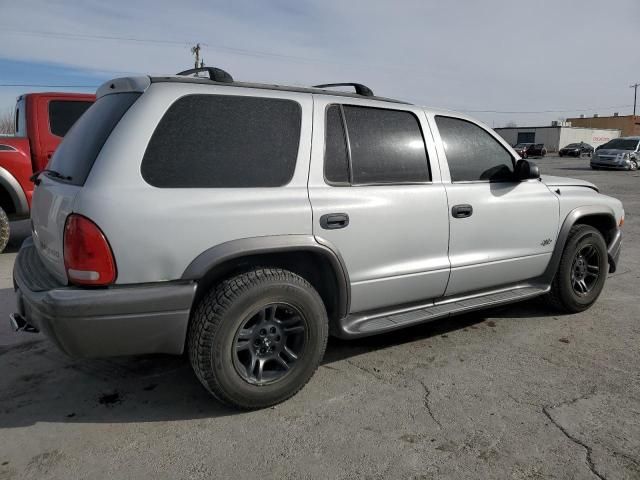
<point>612,151</point>
<point>551,181</point>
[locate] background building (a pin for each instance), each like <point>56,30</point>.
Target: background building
<point>629,125</point>
<point>558,135</point>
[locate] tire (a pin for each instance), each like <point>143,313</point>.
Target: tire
<point>524,155</point>
<point>560,154</point>
<point>566,294</point>
<point>4,230</point>
<point>633,165</point>
<point>593,167</point>
<point>231,368</point>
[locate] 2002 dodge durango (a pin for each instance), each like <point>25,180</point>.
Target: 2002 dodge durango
<point>246,222</point>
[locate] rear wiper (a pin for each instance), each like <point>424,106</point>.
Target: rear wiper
<point>52,173</point>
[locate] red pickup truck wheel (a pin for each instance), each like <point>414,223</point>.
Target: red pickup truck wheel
<point>4,230</point>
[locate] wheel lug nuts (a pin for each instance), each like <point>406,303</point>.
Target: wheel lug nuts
<point>263,332</point>
<point>273,330</point>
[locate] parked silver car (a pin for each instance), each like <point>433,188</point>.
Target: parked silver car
<point>620,153</point>
<point>245,222</point>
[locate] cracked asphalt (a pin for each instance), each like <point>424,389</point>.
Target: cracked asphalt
<point>518,392</point>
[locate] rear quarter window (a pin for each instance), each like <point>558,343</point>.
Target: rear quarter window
<point>64,113</point>
<point>77,153</point>
<point>224,141</point>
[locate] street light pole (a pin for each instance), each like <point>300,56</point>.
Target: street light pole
<point>635,96</point>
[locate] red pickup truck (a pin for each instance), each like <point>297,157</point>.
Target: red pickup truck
<point>42,119</point>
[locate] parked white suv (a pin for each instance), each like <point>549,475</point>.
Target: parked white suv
<point>245,222</point>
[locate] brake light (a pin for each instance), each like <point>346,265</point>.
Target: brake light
<point>87,255</point>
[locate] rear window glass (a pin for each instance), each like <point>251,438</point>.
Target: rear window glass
<point>64,113</point>
<point>78,151</point>
<point>224,141</point>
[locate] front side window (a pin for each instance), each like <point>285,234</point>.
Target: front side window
<point>384,146</point>
<point>472,153</point>
<point>224,141</point>
<point>64,113</point>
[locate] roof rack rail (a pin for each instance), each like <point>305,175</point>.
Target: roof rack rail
<point>215,74</point>
<point>360,88</point>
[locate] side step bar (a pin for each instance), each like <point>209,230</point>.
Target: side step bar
<point>364,324</point>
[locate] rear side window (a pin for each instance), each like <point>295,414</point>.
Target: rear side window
<point>77,153</point>
<point>472,153</point>
<point>385,146</point>
<point>64,113</point>
<point>221,141</point>
<point>336,157</point>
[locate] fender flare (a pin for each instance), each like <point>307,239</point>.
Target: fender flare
<point>18,197</point>
<point>219,254</point>
<point>570,220</point>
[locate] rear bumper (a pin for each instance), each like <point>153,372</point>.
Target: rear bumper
<point>127,320</point>
<point>613,251</point>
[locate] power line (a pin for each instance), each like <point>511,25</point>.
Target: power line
<point>547,111</point>
<point>40,85</point>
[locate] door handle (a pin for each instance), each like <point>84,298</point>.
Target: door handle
<point>462,211</point>
<point>333,221</point>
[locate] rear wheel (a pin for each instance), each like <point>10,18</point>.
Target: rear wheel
<point>4,230</point>
<point>582,271</point>
<point>257,338</point>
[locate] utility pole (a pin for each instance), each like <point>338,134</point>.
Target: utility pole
<point>635,96</point>
<point>196,51</point>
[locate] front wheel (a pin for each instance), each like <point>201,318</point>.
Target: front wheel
<point>633,165</point>
<point>582,271</point>
<point>4,230</point>
<point>257,338</point>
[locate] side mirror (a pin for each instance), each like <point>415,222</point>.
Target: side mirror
<point>526,170</point>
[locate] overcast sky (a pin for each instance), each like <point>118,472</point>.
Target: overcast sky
<point>578,56</point>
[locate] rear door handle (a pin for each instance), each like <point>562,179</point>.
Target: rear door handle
<point>462,211</point>
<point>333,221</point>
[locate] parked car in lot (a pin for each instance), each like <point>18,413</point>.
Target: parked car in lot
<point>621,153</point>
<point>42,119</point>
<point>526,150</point>
<point>245,222</point>
<point>576,150</point>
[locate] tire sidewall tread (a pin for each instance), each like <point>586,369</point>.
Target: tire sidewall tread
<point>222,310</point>
<point>561,296</point>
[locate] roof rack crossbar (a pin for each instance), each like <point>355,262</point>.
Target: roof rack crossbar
<point>215,74</point>
<point>360,88</point>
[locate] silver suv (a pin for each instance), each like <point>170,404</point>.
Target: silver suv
<point>243,223</point>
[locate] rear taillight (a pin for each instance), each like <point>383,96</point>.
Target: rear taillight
<point>87,255</point>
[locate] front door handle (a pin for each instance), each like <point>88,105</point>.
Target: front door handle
<point>462,211</point>
<point>333,221</point>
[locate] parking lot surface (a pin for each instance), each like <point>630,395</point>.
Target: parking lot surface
<point>517,392</point>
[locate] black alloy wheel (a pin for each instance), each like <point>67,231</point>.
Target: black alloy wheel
<point>269,343</point>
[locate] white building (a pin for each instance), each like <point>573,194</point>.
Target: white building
<point>558,135</point>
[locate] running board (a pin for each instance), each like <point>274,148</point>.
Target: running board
<point>371,323</point>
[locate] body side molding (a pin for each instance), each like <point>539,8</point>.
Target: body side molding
<point>243,247</point>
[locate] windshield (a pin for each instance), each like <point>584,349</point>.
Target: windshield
<point>573,145</point>
<point>522,145</point>
<point>621,144</point>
